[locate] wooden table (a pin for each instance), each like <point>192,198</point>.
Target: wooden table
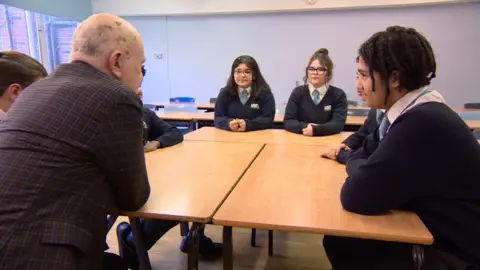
<point>211,106</point>
<point>274,136</point>
<point>290,188</point>
<point>187,186</point>
<point>200,106</point>
<point>209,116</point>
<point>181,176</point>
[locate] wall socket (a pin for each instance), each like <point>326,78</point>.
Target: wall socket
<point>157,55</point>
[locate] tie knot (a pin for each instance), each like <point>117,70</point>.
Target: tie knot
<point>316,93</point>
<point>244,93</point>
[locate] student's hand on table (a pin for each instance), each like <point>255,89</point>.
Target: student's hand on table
<point>341,147</point>
<point>242,125</point>
<point>234,125</point>
<point>151,146</point>
<point>308,131</point>
<point>330,154</point>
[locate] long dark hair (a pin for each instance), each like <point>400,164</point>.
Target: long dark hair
<point>401,50</point>
<point>259,84</point>
<point>322,56</point>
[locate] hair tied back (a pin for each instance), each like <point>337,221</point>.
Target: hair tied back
<point>322,51</point>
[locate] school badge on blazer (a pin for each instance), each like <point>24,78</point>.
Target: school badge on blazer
<point>327,108</point>
<point>254,106</point>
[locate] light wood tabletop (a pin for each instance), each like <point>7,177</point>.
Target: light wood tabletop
<point>209,116</point>
<point>200,106</point>
<point>290,188</point>
<point>190,180</point>
<point>274,136</point>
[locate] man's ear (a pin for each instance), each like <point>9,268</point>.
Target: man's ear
<point>13,91</point>
<point>114,64</point>
<point>394,80</point>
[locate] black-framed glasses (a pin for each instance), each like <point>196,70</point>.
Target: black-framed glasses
<point>319,70</point>
<point>144,70</point>
<point>245,72</point>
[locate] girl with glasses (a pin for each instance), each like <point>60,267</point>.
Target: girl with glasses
<point>246,103</point>
<point>317,108</point>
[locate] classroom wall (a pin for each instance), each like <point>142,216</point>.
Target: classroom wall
<point>196,7</point>
<point>69,9</point>
<point>197,51</point>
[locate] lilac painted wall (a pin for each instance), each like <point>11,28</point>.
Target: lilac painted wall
<point>198,50</point>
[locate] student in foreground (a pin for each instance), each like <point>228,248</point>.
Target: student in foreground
<point>426,161</point>
<point>342,151</point>
<point>17,71</point>
<point>317,108</point>
<point>158,134</point>
<point>246,103</point>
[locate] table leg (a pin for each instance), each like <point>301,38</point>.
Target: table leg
<point>138,237</point>
<point>254,237</point>
<point>193,245</point>
<point>184,228</point>
<point>227,249</point>
<point>418,256</point>
<point>270,243</point>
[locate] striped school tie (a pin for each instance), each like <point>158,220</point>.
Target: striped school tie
<point>316,97</point>
<point>244,97</point>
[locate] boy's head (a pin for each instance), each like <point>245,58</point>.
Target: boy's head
<point>17,71</point>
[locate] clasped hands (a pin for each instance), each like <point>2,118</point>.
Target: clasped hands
<point>238,125</point>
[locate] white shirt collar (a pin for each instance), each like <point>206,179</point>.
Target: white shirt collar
<point>322,89</point>
<point>249,90</point>
<point>401,106</point>
<point>2,115</point>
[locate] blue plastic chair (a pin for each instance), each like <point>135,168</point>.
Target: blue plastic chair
<point>180,107</point>
<point>151,107</point>
<point>182,100</point>
<point>473,115</point>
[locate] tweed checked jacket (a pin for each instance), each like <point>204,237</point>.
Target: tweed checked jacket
<point>70,149</point>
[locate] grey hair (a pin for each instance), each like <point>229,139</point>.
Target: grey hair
<point>100,40</point>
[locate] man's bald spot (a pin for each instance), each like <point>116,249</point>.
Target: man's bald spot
<point>101,34</point>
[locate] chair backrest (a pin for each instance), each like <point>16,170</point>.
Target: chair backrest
<point>471,105</point>
<point>150,106</point>
<point>357,112</point>
<point>181,107</point>
<point>352,103</point>
<point>474,115</point>
<point>213,100</point>
<point>182,100</point>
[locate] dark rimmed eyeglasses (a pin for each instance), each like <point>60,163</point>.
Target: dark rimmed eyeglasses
<point>319,70</point>
<point>144,70</point>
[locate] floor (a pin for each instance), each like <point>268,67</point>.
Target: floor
<point>291,251</point>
